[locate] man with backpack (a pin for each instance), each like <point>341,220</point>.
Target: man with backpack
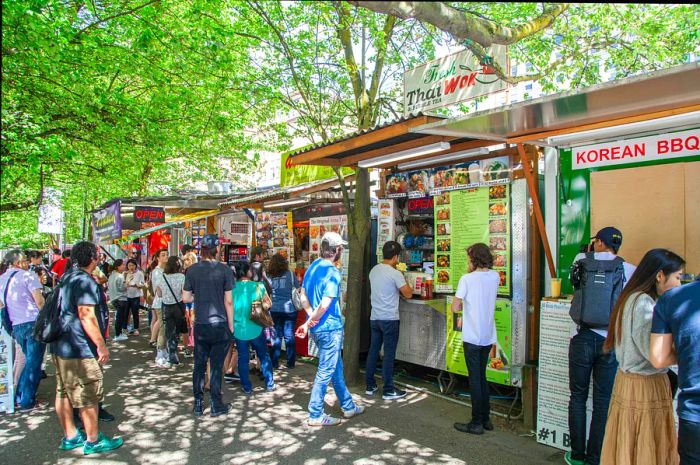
<point>598,277</point>
<point>22,298</point>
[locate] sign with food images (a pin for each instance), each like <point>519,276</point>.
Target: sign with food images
<point>199,230</point>
<point>470,175</point>
<point>466,217</point>
<point>7,392</point>
<point>396,185</point>
<point>274,235</point>
<point>498,364</point>
<point>418,184</point>
<point>386,224</point>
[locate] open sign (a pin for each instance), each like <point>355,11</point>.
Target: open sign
<point>149,215</point>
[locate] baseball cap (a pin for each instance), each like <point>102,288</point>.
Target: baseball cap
<point>210,241</point>
<point>610,236</point>
<point>333,239</point>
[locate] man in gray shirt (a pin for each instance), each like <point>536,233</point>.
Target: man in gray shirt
<point>387,284</point>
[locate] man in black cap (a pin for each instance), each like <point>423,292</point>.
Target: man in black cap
<point>208,284</point>
<point>586,355</point>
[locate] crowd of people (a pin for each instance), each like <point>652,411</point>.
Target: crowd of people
<point>632,324</point>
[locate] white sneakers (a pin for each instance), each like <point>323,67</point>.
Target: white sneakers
<point>162,359</point>
<point>356,411</point>
<point>121,337</point>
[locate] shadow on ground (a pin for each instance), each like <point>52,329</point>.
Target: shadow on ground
<point>153,409</point>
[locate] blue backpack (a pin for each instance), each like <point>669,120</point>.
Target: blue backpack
<point>597,286</point>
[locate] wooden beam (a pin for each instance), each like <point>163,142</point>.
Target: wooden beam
<point>529,171</point>
<point>603,124</point>
<point>411,144</point>
<point>361,140</point>
<point>454,148</point>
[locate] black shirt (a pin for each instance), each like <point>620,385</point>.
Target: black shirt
<point>209,281</point>
<point>78,288</point>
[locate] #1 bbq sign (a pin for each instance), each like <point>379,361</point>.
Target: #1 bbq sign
<point>149,215</point>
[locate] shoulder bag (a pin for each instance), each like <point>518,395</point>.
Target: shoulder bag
<point>181,322</point>
<point>258,313</point>
<point>6,321</point>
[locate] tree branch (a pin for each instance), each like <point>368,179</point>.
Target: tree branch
<point>74,40</point>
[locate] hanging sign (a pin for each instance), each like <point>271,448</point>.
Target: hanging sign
<point>149,215</point>
<point>653,148</point>
<point>107,223</point>
<point>453,79</point>
<point>50,212</point>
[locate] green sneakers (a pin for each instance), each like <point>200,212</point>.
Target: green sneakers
<point>103,444</point>
<point>70,444</point>
<point>572,461</point>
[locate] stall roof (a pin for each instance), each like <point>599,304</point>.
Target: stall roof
<point>284,193</point>
<point>194,200</point>
<point>645,97</point>
<point>173,222</point>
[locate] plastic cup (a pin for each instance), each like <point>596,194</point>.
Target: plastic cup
<point>556,287</point>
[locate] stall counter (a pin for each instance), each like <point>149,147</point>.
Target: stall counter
<point>423,335</point>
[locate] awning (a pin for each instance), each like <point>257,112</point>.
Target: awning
<point>174,221</point>
<point>662,94</point>
<point>284,193</point>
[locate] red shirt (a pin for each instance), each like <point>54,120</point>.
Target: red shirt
<point>59,267</point>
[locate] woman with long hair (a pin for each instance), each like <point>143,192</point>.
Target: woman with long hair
<point>283,312</point>
<point>150,296</point>
<point>246,332</point>
<point>640,429</point>
<point>169,289</point>
<point>135,283</point>
<point>189,259</point>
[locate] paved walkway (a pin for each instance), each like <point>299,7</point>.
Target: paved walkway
<point>153,409</point>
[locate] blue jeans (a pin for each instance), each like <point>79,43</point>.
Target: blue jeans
<point>386,332</point>
<point>330,369</point>
<point>284,326</point>
<point>259,344</point>
<point>476,358</point>
<point>586,357</point>
<point>31,374</point>
<point>688,443</point>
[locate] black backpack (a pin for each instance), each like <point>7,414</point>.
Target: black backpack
<point>48,326</point>
<point>597,286</point>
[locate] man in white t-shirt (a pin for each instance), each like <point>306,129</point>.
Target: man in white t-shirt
<point>387,284</point>
<point>586,358</point>
<point>476,299</point>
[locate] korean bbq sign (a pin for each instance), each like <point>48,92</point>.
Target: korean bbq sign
<point>149,215</point>
<point>653,148</point>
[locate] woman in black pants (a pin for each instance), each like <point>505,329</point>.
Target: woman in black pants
<point>169,289</point>
<point>116,287</point>
<point>135,283</point>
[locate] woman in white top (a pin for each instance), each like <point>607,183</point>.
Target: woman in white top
<point>641,427</point>
<point>476,299</point>
<point>169,289</point>
<point>134,290</point>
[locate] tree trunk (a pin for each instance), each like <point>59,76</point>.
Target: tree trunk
<point>358,233</point>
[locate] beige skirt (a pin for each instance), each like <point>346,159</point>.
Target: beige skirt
<point>641,428</point>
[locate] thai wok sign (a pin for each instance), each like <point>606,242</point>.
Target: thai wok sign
<point>453,79</point>
<point>653,148</point>
<point>107,223</point>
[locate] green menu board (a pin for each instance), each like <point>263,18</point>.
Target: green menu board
<point>498,366</point>
<point>463,218</point>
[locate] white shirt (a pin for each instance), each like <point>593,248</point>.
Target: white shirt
<point>176,281</point>
<point>135,279</point>
<point>385,282</point>
<point>627,268</point>
<point>156,276</point>
<point>478,291</point>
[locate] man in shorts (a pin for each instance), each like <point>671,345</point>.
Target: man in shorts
<point>79,354</point>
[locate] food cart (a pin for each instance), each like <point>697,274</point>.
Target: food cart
<point>623,153</point>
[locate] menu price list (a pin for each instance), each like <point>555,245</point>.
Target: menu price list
<point>7,394</point>
<point>466,217</point>
<point>274,234</point>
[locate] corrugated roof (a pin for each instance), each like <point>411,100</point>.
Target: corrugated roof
<point>282,191</point>
<point>308,148</point>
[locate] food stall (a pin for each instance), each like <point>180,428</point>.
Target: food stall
<point>623,153</point>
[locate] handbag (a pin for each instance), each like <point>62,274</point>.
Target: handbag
<point>258,313</point>
<point>181,323</point>
<point>6,321</point>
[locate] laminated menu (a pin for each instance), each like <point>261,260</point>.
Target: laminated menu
<point>273,233</point>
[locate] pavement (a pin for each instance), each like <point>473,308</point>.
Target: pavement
<point>153,409</point>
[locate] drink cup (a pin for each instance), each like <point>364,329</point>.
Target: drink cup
<point>556,287</point>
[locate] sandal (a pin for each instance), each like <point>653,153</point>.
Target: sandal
<point>152,344</point>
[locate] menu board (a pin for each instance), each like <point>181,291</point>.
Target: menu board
<point>463,218</point>
<point>498,365</point>
<point>386,224</point>
<point>470,175</point>
<point>396,185</point>
<point>7,392</point>
<point>273,232</point>
<point>418,184</point>
<point>199,230</point>
<point>317,228</point>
